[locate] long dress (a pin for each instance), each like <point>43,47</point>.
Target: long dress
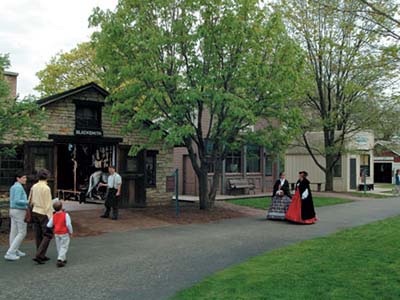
<point>302,210</point>
<point>279,204</point>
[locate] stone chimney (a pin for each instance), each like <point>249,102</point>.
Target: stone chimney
<point>11,77</point>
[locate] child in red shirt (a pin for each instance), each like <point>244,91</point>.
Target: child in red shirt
<point>61,221</point>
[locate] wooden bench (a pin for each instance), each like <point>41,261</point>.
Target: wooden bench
<point>318,184</point>
<point>241,184</point>
<point>369,187</point>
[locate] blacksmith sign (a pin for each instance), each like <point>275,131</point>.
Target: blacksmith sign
<point>87,132</point>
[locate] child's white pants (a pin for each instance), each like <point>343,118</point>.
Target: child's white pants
<point>62,243</point>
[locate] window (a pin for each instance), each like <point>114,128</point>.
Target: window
<point>365,164</point>
<point>40,162</point>
<point>233,162</point>
<point>9,166</point>
<point>151,168</point>
<point>253,159</point>
<point>337,169</point>
<point>88,117</point>
<point>131,164</point>
<point>268,165</point>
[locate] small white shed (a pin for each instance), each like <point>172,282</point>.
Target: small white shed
<point>358,157</point>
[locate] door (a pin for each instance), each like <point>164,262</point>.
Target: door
<point>41,156</point>
<point>383,172</point>
<point>353,174</point>
<point>189,177</point>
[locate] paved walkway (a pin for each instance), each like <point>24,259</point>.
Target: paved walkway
<point>155,263</point>
<point>378,192</point>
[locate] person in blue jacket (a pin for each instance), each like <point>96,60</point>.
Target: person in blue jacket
<point>18,206</point>
<point>397,181</point>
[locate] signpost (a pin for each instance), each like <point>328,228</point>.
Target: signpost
<point>365,181</point>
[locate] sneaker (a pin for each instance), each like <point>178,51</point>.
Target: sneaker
<point>103,216</point>
<point>11,257</point>
<point>20,253</point>
<point>60,264</point>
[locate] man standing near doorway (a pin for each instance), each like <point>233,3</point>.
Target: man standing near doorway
<point>113,185</point>
<point>40,200</point>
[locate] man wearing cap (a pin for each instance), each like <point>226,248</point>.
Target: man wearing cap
<point>113,185</point>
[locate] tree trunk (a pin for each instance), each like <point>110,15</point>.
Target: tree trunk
<point>205,202</point>
<point>329,160</point>
<point>215,181</point>
<point>329,143</point>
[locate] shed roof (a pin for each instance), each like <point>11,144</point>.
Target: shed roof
<point>9,73</point>
<point>390,145</point>
<point>79,89</point>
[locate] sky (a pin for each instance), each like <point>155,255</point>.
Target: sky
<point>32,31</point>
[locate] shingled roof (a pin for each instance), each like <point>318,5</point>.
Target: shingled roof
<point>79,89</point>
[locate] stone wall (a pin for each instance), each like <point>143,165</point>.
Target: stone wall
<point>11,78</point>
<point>61,121</point>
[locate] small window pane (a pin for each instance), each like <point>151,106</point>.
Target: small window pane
<point>9,166</point>
<point>233,162</point>
<point>88,117</point>
<point>253,159</point>
<point>151,169</point>
<point>365,164</point>
<point>268,165</point>
<point>131,164</point>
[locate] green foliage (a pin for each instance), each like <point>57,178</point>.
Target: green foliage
<point>18,119</point>
<point>357,264</point>
<point>174,62</point>
<point>68,70</point>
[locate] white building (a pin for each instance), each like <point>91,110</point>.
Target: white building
<point>358,157</point>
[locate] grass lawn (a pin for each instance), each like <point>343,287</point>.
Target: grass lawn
<point>368,195</point>
<point>385,185</point>
<point>358,264</point>
<point>265,202</point>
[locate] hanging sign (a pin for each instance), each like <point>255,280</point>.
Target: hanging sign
<point>87,132</point>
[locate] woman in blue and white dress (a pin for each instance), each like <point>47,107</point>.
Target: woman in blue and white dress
<point>281,199</point>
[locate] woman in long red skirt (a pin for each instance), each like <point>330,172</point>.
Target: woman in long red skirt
<point>301,210</point>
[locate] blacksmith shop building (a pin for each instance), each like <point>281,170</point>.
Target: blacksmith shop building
<point>80,139</point>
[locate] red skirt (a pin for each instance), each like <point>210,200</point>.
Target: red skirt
<point>294,211</point>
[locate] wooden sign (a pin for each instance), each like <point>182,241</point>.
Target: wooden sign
<point>88,132</point>
<point>170,184</point>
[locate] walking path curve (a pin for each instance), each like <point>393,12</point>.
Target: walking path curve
<point>155,263</point>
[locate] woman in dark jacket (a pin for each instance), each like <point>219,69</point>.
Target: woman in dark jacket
<point>301,210</point>
<point>280,199</point>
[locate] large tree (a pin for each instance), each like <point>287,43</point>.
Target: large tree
<point>18,118</point>
<point>349,67</point>
<point>174,62</point>
<point>384,13</point>
<point>67,70</point>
